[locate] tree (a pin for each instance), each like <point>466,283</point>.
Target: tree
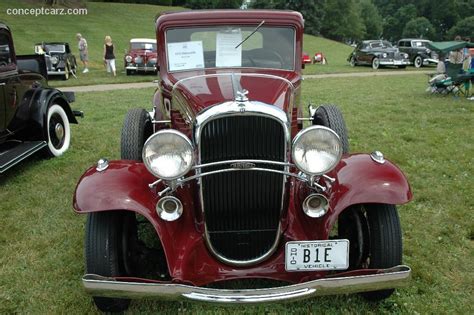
<point>419,28</point>
<point>394,25</point>
<point>371,19</point>
<point>342,24</point>
<point>444,16</point>
<point>463,28</point>
<point>312,11</point>
<point>227,4</point>
<point>200,4</point>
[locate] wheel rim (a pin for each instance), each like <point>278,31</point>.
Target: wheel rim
<point>418,62</point>
<point>56,131</point>
<point>375,63</point>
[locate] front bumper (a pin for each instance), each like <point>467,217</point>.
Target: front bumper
<point>141,68</point>
<point>134,288</point>
<point>427,61</point>
<point>54,72</point>
<point>394,62</point>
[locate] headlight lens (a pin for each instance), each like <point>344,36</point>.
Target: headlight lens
<point>138,59</point>
<point>54,60</point>
<point>384,55</point>
<point>128,58</point>
<point>406,55</point>
<point>316,150</point>
<point>168,154</point>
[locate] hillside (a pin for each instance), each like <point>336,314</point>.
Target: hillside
<point>122,22</point>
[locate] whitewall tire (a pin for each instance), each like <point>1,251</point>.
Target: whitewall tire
<point>58,130</point>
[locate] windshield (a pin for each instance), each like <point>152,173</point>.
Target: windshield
<point>55,48</point>
<point>381,44</point>
<point>145,46</point>
<point>420,44</point>
<point>217,47</point>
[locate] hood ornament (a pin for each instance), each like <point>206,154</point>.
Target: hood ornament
<point>242,96</point>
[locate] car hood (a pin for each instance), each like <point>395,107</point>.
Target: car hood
<point>142,52</point>
<point>197,93</point>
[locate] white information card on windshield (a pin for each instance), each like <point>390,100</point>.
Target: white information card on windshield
<point>226,53</point>
<point>185,56</point>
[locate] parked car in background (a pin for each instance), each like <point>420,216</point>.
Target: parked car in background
<point>141,56</point>
<point>418,51</point>
<point>59,59</point>
<point>33,116</point>
<point>306,58</point>
<point>377,53</point>
<point>219,181</point>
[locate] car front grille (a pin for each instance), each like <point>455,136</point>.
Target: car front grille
<point>242,208</point>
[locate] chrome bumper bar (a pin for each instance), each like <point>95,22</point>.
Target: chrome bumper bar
<point>384,279</point>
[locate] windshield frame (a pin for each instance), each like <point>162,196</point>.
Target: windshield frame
<point>251,27</point>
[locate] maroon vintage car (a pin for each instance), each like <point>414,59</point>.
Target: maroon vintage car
<point>221,182</point>
<point>141,57</point>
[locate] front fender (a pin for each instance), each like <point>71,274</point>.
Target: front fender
<point>361,180</point>
<point>122,186</point>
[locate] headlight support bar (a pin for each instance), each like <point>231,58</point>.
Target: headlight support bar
<point>244,165</point>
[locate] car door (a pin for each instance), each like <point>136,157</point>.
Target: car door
<point>9,80</point>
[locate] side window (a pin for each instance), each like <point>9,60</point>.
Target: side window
<point>6,53</point>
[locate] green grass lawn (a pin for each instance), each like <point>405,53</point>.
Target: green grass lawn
<point>125,21</point>
<point>120,21</point>
<point>429,137</point>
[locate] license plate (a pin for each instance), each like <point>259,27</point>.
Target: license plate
<point>397,62</point>
<point>317,255</point>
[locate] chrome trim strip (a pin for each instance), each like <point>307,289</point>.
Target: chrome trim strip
<point>235,109</point>
<point>385,279</point>
<point>243,161</point>
<point>230,74</point>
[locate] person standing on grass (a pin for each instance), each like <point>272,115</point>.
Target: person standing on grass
<point>109,56</point>
<point>83,52</point>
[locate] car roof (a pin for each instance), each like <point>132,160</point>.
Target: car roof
<point>143,40</point>
<point>212,17</point>
<point>417,39</point>
<point>52,43</point>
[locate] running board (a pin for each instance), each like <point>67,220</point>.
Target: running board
<point>18,153</point>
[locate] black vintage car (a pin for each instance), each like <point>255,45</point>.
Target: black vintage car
<point>418,51</point>
<point>378,53</point>
<point>59,59</point>
<point>33,116</point>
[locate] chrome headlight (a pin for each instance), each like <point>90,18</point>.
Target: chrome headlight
<point>54,60</point>
<point>152,60</point>
<point>316,150</point>
<point>138,59</point>
<point>168,154</point>
<point>128,58</point>
<point>384,55</point>
<point>405,55</point>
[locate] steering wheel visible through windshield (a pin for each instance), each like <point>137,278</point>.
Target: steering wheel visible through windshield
<point>218,47</point>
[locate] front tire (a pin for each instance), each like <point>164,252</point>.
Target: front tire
<point>58,131</point>
<point>375,237</point>
<point>418,62</point>
<point>110,240</point>
<point>375,63</point>
<point>353,62</point>
<point>330,116</point>
<point>137,127</point>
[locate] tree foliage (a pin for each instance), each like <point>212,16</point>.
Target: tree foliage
<point>349,20</point>
<point>419,27</point>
